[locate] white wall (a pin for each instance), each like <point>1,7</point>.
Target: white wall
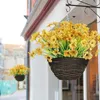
<point>43,84</point>
<point>53,86</point>
<point>39,77</point>
<point>56,13</point>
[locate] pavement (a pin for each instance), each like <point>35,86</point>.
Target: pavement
<point>18,95</point>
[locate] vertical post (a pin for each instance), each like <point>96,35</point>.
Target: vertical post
<point>29,6</point>
<point>73,89</point>
<point>60,90</point>
<point>28,76</point>
<point>98,28</point>
<point>85,85</point>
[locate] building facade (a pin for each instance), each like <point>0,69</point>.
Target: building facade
<point>43,85</point>
<point>1,54</point>
<point>1,58</point>
<point>10,55</point>
<point>13,55</point>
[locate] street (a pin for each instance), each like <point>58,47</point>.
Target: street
<point>18,95</point>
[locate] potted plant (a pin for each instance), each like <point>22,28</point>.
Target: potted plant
<point>68,47</point>
<point>19,72</point>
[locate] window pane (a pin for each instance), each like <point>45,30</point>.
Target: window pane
<point>73,90</point>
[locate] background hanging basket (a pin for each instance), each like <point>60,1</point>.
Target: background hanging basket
<point>68,68</point>
<point>20,77</point>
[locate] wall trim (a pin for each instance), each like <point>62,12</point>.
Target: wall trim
<point>39,18</point>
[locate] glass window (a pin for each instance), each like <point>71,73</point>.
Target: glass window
<point>73,90</point>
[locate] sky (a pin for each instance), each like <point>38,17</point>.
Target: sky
<point>12,21</point>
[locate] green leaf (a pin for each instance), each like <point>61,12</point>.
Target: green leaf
<point>61,47</point>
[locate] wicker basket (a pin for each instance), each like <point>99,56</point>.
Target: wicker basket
<point>20,77</point>
<point>68,68</point>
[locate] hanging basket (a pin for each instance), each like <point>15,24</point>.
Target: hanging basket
<point>20,77</point>
<point>68,68</point>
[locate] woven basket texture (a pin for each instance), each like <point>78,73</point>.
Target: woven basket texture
<point>68,68</point>
<point>20,77</point>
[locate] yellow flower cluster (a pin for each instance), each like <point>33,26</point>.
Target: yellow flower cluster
<point>66,40</point>
<point>19,70</point>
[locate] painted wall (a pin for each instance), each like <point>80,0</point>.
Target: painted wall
<point>38,77</point>
<point>56,13</point>
<point>53,86</point>
<point>43,84</point>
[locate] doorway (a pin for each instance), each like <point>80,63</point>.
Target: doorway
<point>73,89</point>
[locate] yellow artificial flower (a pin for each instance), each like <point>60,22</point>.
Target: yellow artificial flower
<point>32,54</point>
<point>84,43</point>
<point>76,39</point>
<point>49,58</point>
<point>68,38</point>
<point>55,45</point>
<point>55,52</point>
<point>92,43</point>
<point>72,45</point>
<point>93,34</point>
<point>63,23</point>
<point>42,45</point>
<point>34,36</point>
<point>66,53</point>
<point>45,34</point>
<point>98,38</point>
<point>19,70</point>
<point>49,45</point>
<point>53,39</point>
<point>54,23</point>
<point>73,53</point>
<point>79,34</point>
<point>38,51</point>
<point>60,36</point>
<point>87,55</point>
<point>84,36</point>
